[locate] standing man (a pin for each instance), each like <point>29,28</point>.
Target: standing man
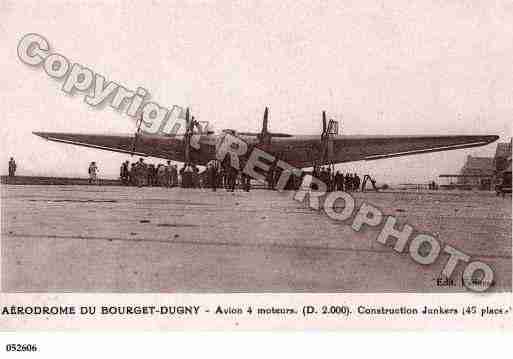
<point>213,174</point>
<point>93,173</point>
<point>195,176</point>
<point>347,183</point>
<point>161,175</point>
<point>246,181</point>
<point>141,173</point>
<point>187,176</point>
<point>12,167</point>
<point>124,173</point>
<point>174,175</point>
<point>357,183</point>
<point>151,175</point>
<point>167,174</point>
<point>131,175</point>
<point>232,179</point>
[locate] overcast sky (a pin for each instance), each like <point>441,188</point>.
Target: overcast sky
<point>381,67</point>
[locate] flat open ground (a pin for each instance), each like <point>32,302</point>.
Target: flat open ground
<point>119,239</point>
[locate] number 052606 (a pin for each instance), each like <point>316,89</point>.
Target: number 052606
<point>21,348</point>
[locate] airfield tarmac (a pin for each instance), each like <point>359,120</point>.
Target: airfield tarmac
<point>126,239</point>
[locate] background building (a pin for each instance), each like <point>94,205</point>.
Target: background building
<point>502,162</point>
<point>477,172</point>
<point>502,159</point>
<point>483,172</point>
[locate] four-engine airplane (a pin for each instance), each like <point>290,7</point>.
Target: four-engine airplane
<point>300,151</point>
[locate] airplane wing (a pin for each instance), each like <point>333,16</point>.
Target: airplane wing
<point>302,151</point>
<point>154,146</point>
<point>299,151</point>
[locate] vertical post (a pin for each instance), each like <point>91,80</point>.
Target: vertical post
<point>187,137</point>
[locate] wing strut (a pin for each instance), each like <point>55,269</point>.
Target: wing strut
<point>136,136</point>
<point>190,124</point>
<point>187,137</point>
<point>329,130</point>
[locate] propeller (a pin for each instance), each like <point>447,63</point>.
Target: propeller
<point>265,121</point>
<point>265,134</point>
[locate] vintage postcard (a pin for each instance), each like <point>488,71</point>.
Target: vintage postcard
<point>187,165</point>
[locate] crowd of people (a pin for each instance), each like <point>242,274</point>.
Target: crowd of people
<point>142,174</point>
<point>222,175</point>
<point>338,181</point>
<point>188,176</point>
<point>334,180</point>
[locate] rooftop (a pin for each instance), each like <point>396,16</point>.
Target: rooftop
<point>479,163</point>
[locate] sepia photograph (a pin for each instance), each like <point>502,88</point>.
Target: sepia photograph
<point>256,147</point>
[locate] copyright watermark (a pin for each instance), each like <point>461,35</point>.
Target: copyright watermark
<point>34,50</point>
